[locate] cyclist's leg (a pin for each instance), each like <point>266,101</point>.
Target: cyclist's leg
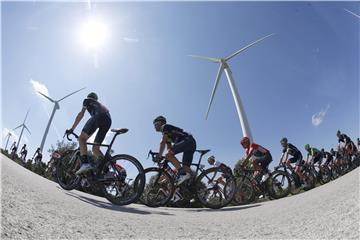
<point>178,147</point>
<point>188,148</point>
<point>88,130</point>
<point>104,123</point>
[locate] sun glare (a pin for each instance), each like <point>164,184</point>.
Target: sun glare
<point>93,34</point>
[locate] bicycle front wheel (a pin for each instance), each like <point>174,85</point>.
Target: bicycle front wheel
<point>123,180</point>
<point>215,188</point>
<point>66,169</point>
<point>245,193</point>
<point>280,184</point>
<point>159,188</point>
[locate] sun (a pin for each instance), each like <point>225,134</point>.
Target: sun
<point>93,34</point>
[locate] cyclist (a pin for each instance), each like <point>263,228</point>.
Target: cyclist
<point>314,155</point>
<point>350,148</point>
<point>38,155</point>
<point>260,155</point>
<point>328,156</point>
<point>297,158</point>
<point>100,119</point>
<point>222,166</point>
<point>13,147</point>
<point>176,140</point>
<point>23,152</point>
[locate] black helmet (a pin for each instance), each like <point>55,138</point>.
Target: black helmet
<point>159,119</point>
<point>322,150</point>
<point>92,95</point>
<point>284,141</point>
<point>338,133</point>
<point>332,151</point>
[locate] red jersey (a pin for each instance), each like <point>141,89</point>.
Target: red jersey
<point>256,150</point>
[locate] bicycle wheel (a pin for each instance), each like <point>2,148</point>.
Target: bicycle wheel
<point>325,175</point>
<point>124,179</point>
<point>66,169</point>
<point>309,178</point>
<point>295,184</point>
<point>245,193</point>
<point>159,188</point>
<point>215,188</point>
<point>280,184</point>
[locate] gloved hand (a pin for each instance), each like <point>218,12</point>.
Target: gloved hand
<point>68,131</point>
<point>158,158</point>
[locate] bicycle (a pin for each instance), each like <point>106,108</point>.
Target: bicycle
<point>121,177</point>
<point>276,186</point>
<point>213,187</point>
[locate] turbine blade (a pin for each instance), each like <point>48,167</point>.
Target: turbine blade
<point>358,16</point>
<point>17,127</point>
<point>71,94</point>
<point>217,80</point>
<point>27,129</point>
<point>26,115</point>
<point>46,97</point>
<point>214,60</point>
<point>246,47</point>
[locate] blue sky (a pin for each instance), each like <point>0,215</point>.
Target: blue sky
<point>309,69</point>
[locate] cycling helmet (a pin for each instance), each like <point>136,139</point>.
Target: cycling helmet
<point>284,141</point>
<point>332,151</point>
<point>322,150</point>
<point>211,160</point>
<point>307,147</point>
<point>92,95</point>
<point>159,119</point>
<point>338,133</point>
<point>245,141</point>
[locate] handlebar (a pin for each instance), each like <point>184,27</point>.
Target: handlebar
<point>68,134</point>
<point>153,156</point>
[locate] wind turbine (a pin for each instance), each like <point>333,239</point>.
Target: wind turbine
<point>22,129</point>
<point>224,67</point>
<point>358,16</point>
<point>8,135</point>
<point>56,107</point>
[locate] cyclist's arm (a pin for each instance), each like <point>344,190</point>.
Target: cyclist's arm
<point>163,144</point>
<point>285,156</point>
<point>78,118</point>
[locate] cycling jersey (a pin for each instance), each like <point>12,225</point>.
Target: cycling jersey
<point>313,152</point>
<point>256,150</point>
<point>344,138</point>
<point>94,107</point>
<point>174,134</point>
<point>328,156</point>
<point>261,156</point>
<point>291,150</point>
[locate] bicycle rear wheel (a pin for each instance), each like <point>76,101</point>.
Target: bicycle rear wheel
<point>159,188</point>
<point>123,181</point>
<point>66,169</point>
<point>215,188</point>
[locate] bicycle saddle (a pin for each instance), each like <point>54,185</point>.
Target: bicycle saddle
<point>203,152</point>
<point>120,130</point>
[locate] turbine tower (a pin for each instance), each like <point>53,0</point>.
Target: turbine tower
<point>8,135</point>
<point>224,67</point>
<point>56,107</point>
<point>22,129</point>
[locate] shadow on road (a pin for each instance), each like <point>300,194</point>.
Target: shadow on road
<point>226,209</point>
<point>106,205</point>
